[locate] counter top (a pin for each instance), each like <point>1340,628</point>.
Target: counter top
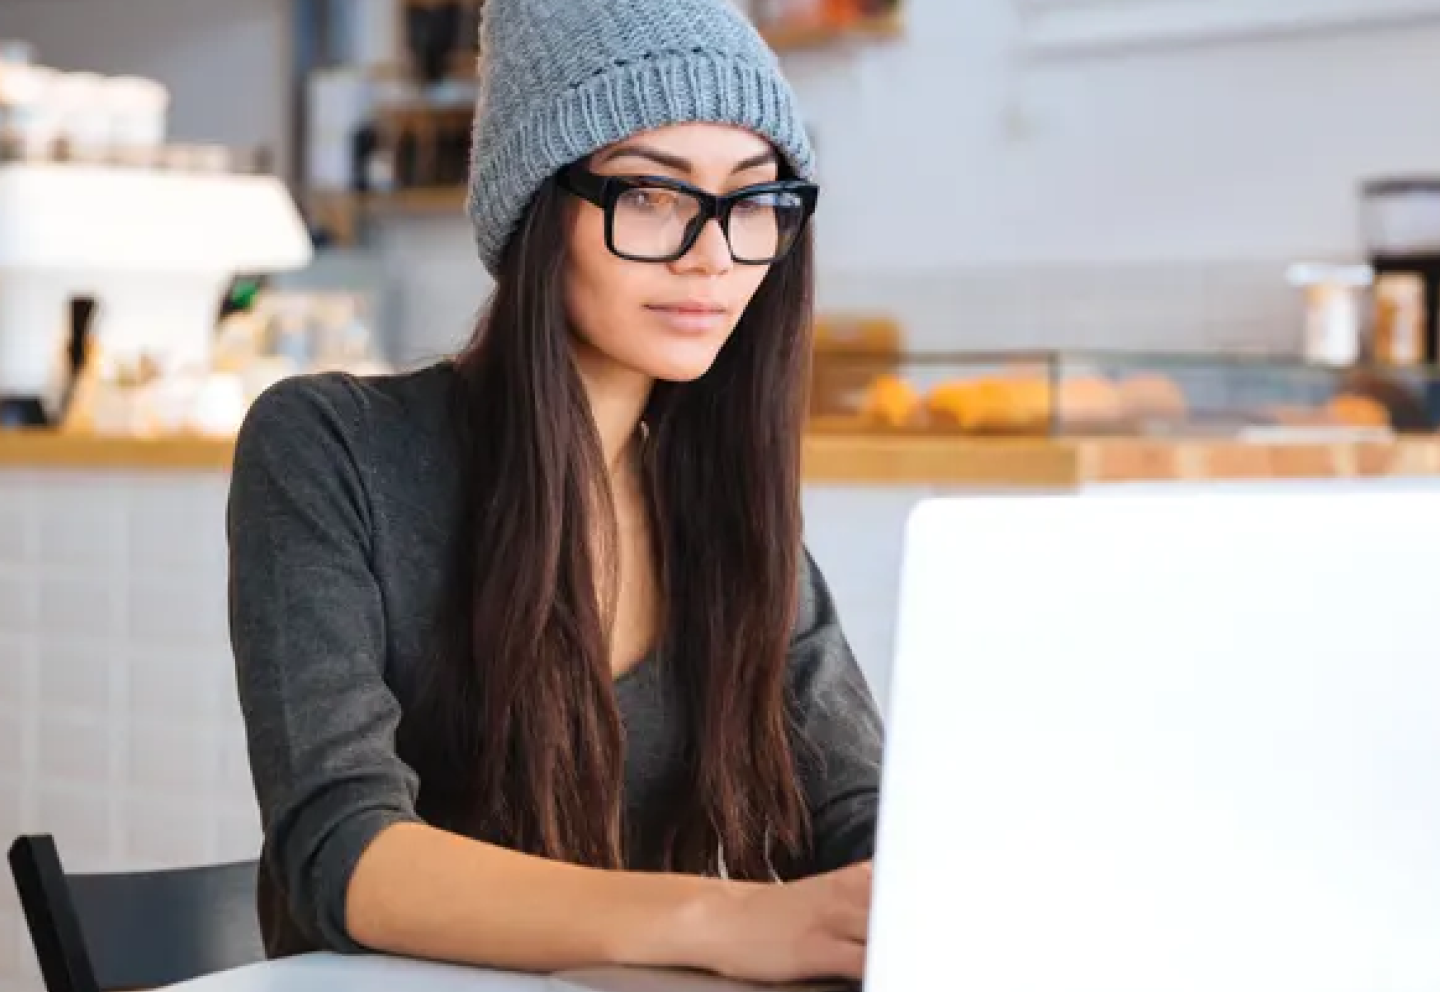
<point>57,449</point>
<point>1063,462</point>
<point>877,459</point>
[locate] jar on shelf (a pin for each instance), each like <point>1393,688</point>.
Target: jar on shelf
<point>1334,310</point>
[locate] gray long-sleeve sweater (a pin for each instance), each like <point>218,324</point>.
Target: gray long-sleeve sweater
<point>343,514</point>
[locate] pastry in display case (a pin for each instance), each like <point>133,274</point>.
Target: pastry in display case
<point>1056,393</point>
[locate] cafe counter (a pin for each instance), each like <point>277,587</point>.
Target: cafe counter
<point>874,459</point>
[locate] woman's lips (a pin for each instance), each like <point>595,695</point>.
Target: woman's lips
<point>690,318</point>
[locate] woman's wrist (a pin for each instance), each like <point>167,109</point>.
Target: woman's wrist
<point>686,923</point>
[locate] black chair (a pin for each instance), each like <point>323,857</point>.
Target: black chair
<point>141,930</point>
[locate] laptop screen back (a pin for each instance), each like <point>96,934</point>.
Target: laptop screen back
<point>1164,743</point>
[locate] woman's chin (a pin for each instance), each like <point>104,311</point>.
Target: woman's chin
<point>679,375</point>
<point>680,364</point>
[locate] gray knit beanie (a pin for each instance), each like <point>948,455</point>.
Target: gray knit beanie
<point>561,79</point>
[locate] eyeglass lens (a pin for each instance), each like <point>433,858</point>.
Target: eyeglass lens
<point>654,223</point>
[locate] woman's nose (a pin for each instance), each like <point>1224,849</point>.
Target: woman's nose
<point>710,254</point>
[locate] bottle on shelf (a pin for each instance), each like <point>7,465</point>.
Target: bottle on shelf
<point>1399,334</point>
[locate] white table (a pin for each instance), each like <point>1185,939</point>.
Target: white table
<point>324,972</point>
<point>363,973</point>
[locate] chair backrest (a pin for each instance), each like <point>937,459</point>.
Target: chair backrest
<point>139,930</point>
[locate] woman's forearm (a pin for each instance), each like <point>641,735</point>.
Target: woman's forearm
<point>421,892</point>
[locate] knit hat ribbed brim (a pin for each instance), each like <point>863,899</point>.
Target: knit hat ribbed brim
<point>561,79</point>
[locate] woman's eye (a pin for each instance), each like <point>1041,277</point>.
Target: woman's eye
<point>652,199</point>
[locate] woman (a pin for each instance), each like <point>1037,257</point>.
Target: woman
<point>535,670</point>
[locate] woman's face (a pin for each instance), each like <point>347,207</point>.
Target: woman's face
<point>665,320</point>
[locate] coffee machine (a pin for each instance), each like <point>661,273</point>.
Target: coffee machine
<point>145,255</point>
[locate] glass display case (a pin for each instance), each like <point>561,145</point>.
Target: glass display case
<point>1070,393</point>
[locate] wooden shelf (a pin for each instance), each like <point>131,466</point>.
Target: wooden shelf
<point>885,27</point>
<point>401,114</point>
<point>421,199</point>
<point>462,71</point>
<point>39,448</point>
<point>342,214</point>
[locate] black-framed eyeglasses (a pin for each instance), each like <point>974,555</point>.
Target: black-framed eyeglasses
<point>658,219</point>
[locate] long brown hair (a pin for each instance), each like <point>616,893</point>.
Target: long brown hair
<point>515,731</point>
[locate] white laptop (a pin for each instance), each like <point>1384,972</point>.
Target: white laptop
<point>1164,743</point>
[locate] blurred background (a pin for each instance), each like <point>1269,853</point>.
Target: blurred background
<point>1063,244</point>
<point>1116,173</point>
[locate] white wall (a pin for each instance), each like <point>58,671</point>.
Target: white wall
<point>1248,150</point>
<point>226,62</point>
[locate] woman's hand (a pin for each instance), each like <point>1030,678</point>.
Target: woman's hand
<point>814,928</point>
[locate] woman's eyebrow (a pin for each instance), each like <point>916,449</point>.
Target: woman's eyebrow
<point>653,154</point>
<point>678,163</point>
<point>766,157</point>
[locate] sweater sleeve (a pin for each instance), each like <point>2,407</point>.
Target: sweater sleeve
<point>841,736</point>
<point>307,628</point>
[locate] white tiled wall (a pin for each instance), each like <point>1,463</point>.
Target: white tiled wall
<point>119,729</point>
